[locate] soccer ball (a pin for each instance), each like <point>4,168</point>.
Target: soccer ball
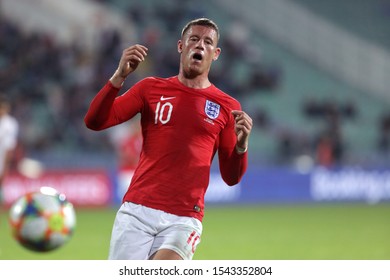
<point>42,221</point>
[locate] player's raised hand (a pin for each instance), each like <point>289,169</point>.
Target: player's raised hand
<point>243,127</point>
<point>130,59</point>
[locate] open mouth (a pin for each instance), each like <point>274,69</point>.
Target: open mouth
<point>197,56</point>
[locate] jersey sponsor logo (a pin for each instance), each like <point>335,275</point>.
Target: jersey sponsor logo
<point>212,109</point>
<point>166,98</point>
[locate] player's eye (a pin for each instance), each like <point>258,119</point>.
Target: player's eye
<point>194,39</point>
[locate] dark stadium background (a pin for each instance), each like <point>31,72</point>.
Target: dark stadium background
<point>312,74</point>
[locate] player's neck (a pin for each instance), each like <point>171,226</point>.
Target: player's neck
<point>198,82</point>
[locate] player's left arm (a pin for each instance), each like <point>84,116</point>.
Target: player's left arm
<point>242,127</point>
<point>233,146</point>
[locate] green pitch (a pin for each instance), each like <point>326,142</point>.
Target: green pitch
<point>271,232</point>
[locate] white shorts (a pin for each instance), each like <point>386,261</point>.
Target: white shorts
<point>140,231</point>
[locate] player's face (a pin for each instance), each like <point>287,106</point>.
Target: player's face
<point>198,49</point>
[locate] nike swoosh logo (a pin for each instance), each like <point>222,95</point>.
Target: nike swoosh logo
<point>166,98</point>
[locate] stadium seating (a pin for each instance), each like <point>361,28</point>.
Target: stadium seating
<point>277,108</point>
<point>368,19</point>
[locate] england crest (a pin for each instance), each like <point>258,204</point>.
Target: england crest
<point>212,109</point>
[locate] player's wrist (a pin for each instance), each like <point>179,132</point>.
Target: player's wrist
<point>117,80</point>
<point>241,150</point>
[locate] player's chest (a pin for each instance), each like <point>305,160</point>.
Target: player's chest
<point>182,110</point>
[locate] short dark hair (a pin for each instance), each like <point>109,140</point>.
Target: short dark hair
<point>203,22</point>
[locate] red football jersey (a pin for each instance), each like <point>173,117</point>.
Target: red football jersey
<point>182,129</point>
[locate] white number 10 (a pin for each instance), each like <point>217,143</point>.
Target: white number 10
<point>159,113</point>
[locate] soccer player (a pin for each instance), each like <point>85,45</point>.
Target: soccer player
<point>185,121</point>
<point>8,138</point>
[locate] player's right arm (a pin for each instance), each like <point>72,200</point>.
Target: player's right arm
<point>106,109</point>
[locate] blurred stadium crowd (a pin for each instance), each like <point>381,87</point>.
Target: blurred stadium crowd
<point>51,84</point>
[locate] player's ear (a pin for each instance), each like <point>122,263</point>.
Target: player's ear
<point>217,52</point>
<point>179,46</point>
